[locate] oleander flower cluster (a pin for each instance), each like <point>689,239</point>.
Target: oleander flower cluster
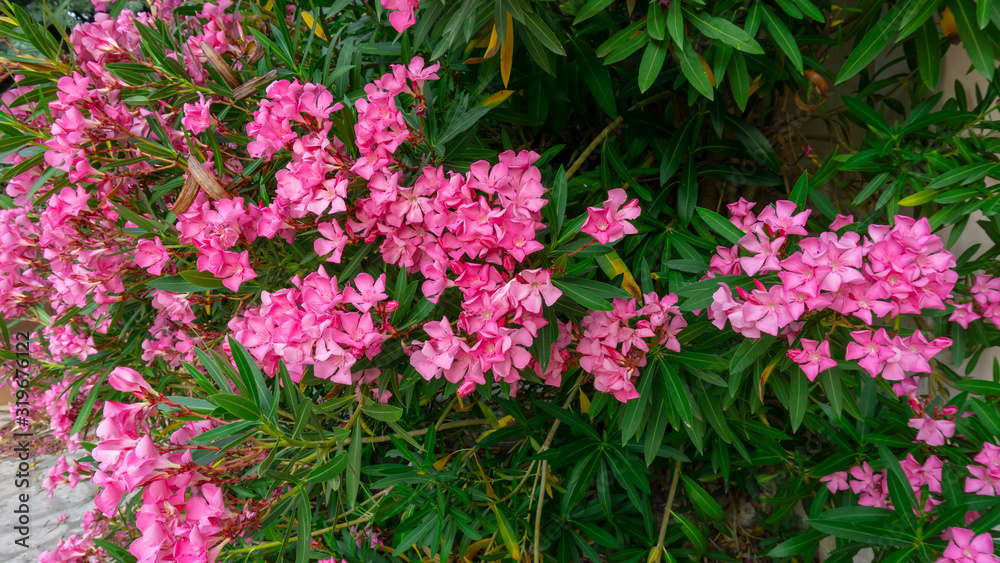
<point>615,344</point>
<point>872,489</point>
<point>184,515</point>
<point>893,271</point>
<point>985,303</point>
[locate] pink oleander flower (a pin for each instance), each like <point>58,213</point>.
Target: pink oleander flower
<point>931,431</point>
<point>151,255</point>
<point>128,380</point>
<point>963,314</point>
<point>741,216</point>
<point>985,479</point>
<point>197,116</point>
<point>402,17</point>
<point>836,482</point>
<point>366,292</point>
<point>609,224</point>
<point>532,288</point>
<point>812,358</point>
<point>782,219</point>
<point>841,221</point>
<point>964,546</point>
<point>764,250</point>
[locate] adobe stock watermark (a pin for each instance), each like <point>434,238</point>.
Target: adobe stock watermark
<point>21,413</point>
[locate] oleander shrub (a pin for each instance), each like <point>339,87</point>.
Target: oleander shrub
<point>484,280</point>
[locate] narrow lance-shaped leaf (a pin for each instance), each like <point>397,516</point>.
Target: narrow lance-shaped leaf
<point>877,39</point>
<point>724,31</point>
<point>652,62</point>
<point>696,72</point>
<point>784,38</point>
<point>976,41</point>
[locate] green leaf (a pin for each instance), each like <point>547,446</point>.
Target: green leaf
<point>678,146</point>
<point>419,312</point>
<point>303,547</point>
<point>900,491</point>
<point>784,38</point>
<point>652,62</point>
<point>119,553</point>
<point>590,9</point>
<point>798,544</point>
<point>695,72</point>
<point>353,477</point>
<point>598,80</point>
<point>866,114</point>
<point>238,405</point>
<point>676,390</point>
<point>928,47</point>
<point>754,141</point>
<point>739,81</point>
<point>871,188</point>
<point>658,420</point>
<point>384,413</point>
<point>915,15</point>
<point>979,387</point>
<point>251,375</point>
<point>615,160</point>
<point>692,532</point>
<point>656,21</point>
<point>203,280</point>
<point>86,411</point>
<point>463,123</point>
<point>702,500</point>
<point>675,25</point>
<point>540,31</point>
<point>571,419</point>
<point>720,225</point>
<point>687,197</point>
<point>620,39</point>
<point>983,8</point>
<point>798,399</point>
<point>800,192</point>
<point>507,532</point>
<point>328,470</point>
<point>582,295</point>
<point>560,189</point>
<point>223,431</point>
<point>918,198</point>
<point>727,32</point>
<point>810,9</point>
<point>975,41</point>
<point>965,175</point>
<point>748,351</point>
<point>850,531</point>
<point>877,39</point>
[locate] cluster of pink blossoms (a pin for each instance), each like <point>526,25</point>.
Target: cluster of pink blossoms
<point>872,487</point>
<point>74,255</point>
<point>184,516</point>
<point>315,323</point>
<point>80,548</point>
<point>614,344</point>
<point>925,480</point>
<point>964,546</point>
<point>488,340</point>
<point>65,471</point>
<point>985,303</point>
<point>894,270</point>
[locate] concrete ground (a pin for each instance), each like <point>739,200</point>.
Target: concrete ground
<point>45,529</point>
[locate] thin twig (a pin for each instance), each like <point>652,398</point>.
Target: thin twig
<point>667,509</point>
<point>544,471</point>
